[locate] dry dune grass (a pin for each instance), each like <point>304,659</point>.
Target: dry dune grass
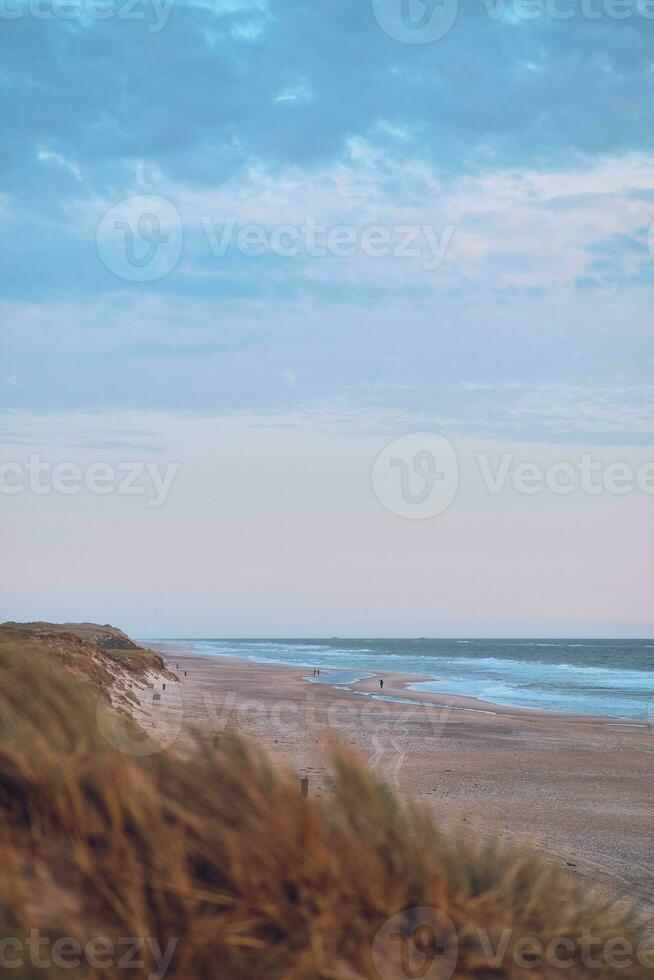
<point>220,856</point>
<point>86,647</point>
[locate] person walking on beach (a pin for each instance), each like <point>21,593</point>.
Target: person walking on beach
<point>381,682</point>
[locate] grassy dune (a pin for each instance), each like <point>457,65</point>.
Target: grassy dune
<point>81,644</point>
<point>217,867</point>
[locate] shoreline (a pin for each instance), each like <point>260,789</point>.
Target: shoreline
<point>578,788</point>
<point>396,686</point>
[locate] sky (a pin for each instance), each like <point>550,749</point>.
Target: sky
<point>265,252</point>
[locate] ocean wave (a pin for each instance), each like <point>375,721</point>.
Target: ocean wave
<point>504,663</point>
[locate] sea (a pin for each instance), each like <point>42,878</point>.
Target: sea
<point>597,677</point>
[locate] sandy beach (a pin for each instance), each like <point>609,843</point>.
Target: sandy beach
<point>579,788</point>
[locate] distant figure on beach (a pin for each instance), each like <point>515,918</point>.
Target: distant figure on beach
<point>381,681</point>
<point>184,673</point>
<point>164,687</point>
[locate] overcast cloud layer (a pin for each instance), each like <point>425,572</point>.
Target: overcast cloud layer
<point>247,243</point>
<point>524,142</point>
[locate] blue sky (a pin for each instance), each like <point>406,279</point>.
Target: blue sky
<point>523,139</point>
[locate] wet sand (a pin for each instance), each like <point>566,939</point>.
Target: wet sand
<point>577,787</point>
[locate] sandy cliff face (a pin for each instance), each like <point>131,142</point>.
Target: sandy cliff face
<point>102,655</point>
<point>106,637</point>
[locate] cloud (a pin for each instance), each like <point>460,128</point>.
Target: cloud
<point>47,156</point>
<point>501,230</point>
<point>492,131</point>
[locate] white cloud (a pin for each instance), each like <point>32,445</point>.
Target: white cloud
<point>300,92</point>
<point>513,228</point>
<point>48,156</point>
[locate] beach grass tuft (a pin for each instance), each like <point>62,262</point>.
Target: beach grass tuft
<point>214,857</point>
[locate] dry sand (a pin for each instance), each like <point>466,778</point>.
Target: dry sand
<point>577,787</point>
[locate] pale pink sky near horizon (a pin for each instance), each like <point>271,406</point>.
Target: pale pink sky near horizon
<point>272,528</point>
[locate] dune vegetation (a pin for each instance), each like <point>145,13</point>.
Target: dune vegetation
<point>212,864</point>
